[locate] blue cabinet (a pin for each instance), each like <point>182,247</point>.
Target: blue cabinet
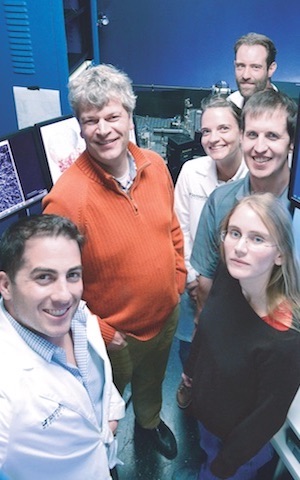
<point>42,43</point>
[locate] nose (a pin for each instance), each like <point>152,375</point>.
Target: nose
<point>246,73</point>
<point>214,136</point>
<point>260,144</point>
<point>61,292</point>
<point>103,126</point>
<point>241,246</point>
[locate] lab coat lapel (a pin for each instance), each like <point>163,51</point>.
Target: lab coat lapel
<point>64,390</point>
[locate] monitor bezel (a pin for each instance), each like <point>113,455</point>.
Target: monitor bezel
<point>295,165</point>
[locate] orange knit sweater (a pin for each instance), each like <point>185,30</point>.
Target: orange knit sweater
<point>133,257</point>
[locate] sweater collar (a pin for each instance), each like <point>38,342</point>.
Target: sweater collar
<point>94,171</point>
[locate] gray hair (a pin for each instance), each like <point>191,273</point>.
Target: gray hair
<point>96,86</point>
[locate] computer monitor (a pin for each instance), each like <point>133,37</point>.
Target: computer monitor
<point>294,187</point>
<point>61,143</point>
<point>23,181</point>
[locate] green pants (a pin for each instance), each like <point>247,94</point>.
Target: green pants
<point>144,365</point>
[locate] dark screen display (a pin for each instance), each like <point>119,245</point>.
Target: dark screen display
<point>22,180</point>
<point>294,189</point>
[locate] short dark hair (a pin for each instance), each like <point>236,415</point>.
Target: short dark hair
<point>258,39</point>
<point>271,100</point>
<point>13,240</point>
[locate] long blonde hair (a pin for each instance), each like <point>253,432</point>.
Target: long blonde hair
<point>284,283</point>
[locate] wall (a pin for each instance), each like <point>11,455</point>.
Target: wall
<point>190,42</point>
<point>41,29</point>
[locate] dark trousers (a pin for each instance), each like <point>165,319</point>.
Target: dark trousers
<point>143,364</point>
<point>212,445</point>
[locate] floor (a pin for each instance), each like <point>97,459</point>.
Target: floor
<point>141,461</point>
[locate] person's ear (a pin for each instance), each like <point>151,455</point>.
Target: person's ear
<point>131,124</point>
<point>241,137</point>
<point>272,68</point>
<point>291,147</point>
<point>278,259</point>
<point>5,286</point>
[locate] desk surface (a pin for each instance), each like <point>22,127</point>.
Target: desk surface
<point>279,440</point>
<point>293,418</point>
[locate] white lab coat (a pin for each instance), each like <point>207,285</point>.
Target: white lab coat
<point>239,100</point>
<point>48,428</point>
<point>198,178</point>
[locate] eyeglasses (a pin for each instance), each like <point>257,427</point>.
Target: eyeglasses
<point>253,240</point>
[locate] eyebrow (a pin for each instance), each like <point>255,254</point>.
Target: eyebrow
<point>52,270</point>
<point>251,64</point>
<point>255,232</point>
<point>256,130</point>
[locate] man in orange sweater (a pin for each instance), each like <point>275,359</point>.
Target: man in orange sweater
<point>121,197</point>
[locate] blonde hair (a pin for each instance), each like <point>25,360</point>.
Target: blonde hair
<point>284,283</point>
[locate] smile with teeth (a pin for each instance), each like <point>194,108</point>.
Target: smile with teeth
<point>261,159</point>
<point>56,312</point>
<point>106,142</point>
<point>216,147</point>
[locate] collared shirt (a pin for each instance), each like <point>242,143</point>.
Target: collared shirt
<point>126,181</point>
<point>90,370</point>
<point>206,252</point>
<point>239,100</point>
<point>197,179</point>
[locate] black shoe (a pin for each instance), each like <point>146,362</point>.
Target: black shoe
<point>114,474</point>
<point>161,437</point>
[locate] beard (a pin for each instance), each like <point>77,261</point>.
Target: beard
<point>256,86</point>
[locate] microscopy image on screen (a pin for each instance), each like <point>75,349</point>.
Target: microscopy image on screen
<point>62,143</point>
<point>10,188</point>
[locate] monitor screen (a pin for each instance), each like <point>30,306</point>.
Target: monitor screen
<point>22,178</point>
<point>294,188</point>
<point>61,143</point>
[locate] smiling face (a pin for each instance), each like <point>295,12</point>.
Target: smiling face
<point>106,133</point>
<point>266,144</point>
<point>47,289</point>
<point>251,71</point>
<point>250,251</point>
<point>220,134</point>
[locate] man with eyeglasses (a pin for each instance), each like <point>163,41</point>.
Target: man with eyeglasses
<point>268,128</point>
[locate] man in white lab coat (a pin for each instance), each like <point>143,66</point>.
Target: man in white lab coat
<point>58,406</point>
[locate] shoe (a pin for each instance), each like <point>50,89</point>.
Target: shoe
<point>162,438</point>
<point>114,474</point>
<point>185,473</point>
<point>183,395</point>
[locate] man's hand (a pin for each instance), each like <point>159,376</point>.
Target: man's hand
<point>192,288</point>
<point>113,424</point>
<point>118,342</point>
